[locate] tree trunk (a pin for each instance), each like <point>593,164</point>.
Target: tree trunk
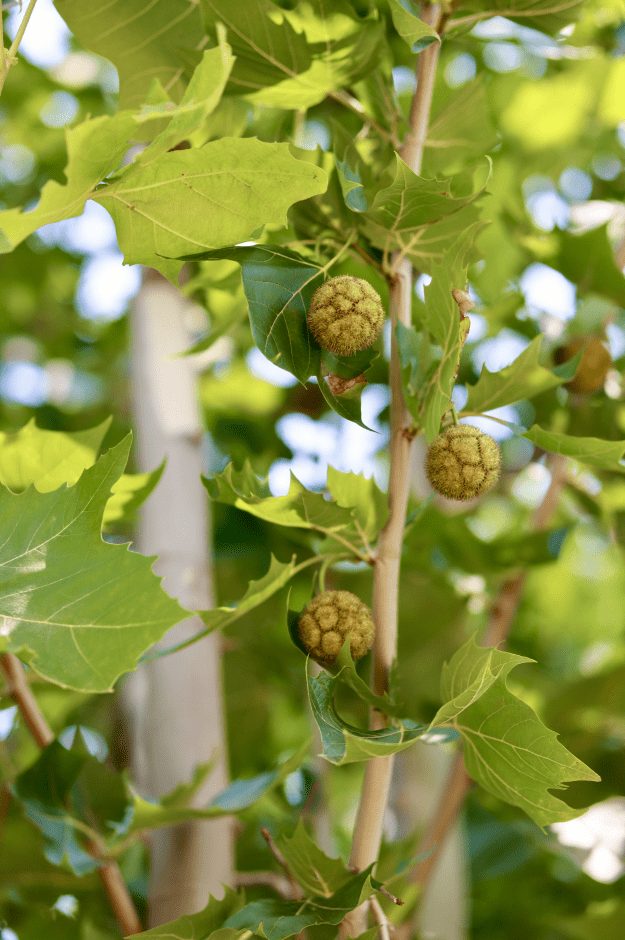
<point>176,703</point>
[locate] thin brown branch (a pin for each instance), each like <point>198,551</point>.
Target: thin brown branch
<point>110,875</point>
<point>503,613</point>
<point>296,891</point>
<point>380,918</point>
<point>119,899</point>
<point>22,695</point>
<point>378,772</point>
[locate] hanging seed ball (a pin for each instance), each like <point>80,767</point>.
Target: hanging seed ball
<point>463,462</point>
<point>327,620</point>
<point>593,367</point>
<point>345,315</point>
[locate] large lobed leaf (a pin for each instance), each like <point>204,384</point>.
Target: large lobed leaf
<point>291,58</point>
<point>94,149</point>
<point>507,748</point>
<point>76,609</point>
<point>145,43</point>
<point>523,378</point>
<point>46,459</point>
<point>205,198</point>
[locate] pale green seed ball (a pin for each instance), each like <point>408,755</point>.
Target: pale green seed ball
<point>345,315</point>
<point>327,621</point>
<point>463,462</point>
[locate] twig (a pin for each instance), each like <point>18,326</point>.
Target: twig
<point>21,693</point>
<point>9,58</point>
<point>502,617</point>
<point>380,918</point>
<point>110,875</point>
<point>378,772</point>
<point>282,886</point>
<point>296,892</point>
<point>391,897</point>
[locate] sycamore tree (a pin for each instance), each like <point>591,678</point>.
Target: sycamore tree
<point>465,161</point>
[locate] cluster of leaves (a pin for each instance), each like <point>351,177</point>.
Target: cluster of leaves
<point>81,612</point>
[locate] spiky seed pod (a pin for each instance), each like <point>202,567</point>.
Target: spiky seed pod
<point>345,315</point>
<point>326,621</point>
<point>462,462</point>
<point>593,367</point>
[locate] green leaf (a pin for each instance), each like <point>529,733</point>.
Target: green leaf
<point>144,43</point>
<point>523,378</point>
<point>420,217</point>
<point>510,752</point>
<point>292,58</point>
<point>278,286</point>
<point>313,870</point>
<point>267,48</point>
<point>199,100</point>
<point>276,919</point>
<point>299,508</point>
<point>77,610</point>
<point>411,27</point>
<point>548,16</point>
<point>47,459</point>
<point>591,450</point>
<point>441,317</point>
<point>43,790</point>
<point>588,261</point>
<point>130,492</point>
<point>469,674</point>
<point>506,748</point>
<point>368,503</point>
<point>205,198</point>
<point>172,809</point>
<point>342,743</point>
<point>94,149</point>
<point>205,925</point>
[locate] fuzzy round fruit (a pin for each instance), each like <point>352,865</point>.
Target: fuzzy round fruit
<point>593,367</point>
<point>345,315</point>
<point>326,621</point>
<point>463,462</point>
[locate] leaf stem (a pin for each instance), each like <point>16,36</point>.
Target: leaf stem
<point>110,875</point>
<point>378,772</point>
<point>296,893</point>
<point>10,58</point>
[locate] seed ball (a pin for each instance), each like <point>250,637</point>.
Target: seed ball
<point>593,366</point>
<point>345,315</point>
<point>462,462</point>
<point>328,619</point>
